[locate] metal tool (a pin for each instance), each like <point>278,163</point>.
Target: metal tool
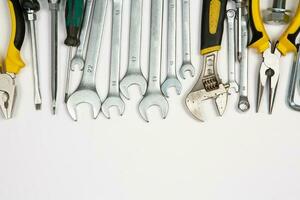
<point>78,60</point>
<point>209,85</point>
<point>269,71</point>
<point>13,62</point>
<point>243,103</point>
<point>86,91</point>
<point>186,41</point>
<point>74,14</point>
<point>54,8</point>
<point>295,75</point>
<point>30,8</point>
<point>134,75</point>
<point>232,60</point>
<point>240,4</point>
<point>172,79</point>
<point>154,96</point>
<point>278,14</point>
<point>113,98</point>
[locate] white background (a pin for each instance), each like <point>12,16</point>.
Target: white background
<point>239,156</point>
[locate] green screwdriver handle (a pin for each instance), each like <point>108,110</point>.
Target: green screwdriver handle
<point>74,14</point>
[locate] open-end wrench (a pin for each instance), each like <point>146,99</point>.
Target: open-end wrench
<point>86,91</point>
<point>113,98</point>
<point>154,96</point>
<point>231,16</point>
<point>244,104</point>
<point>134,75</point>
<point>77,61</point>
<point>186,41</point>
<point>172,79</point>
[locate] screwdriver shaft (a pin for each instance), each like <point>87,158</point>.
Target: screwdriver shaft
<point>35,64</point>
<point>54,57</point>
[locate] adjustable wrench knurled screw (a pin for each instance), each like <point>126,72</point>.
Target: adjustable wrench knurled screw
<point>134,75</point>
<point>154,96</point>
<point>113,97</point>
<point>172,79</point>
<point>186,41</point>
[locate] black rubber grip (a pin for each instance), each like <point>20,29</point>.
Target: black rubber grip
<point>213,16</point>
<point>31,5</point>
<point>20,24</point>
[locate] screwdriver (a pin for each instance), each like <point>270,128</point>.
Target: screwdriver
<point>30,8</point>
<point>74,15</point>
<point>54,8</point>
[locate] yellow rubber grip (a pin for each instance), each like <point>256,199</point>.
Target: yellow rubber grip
<point>260,39</point>
<point>13,60</point>
<point>287,42</point>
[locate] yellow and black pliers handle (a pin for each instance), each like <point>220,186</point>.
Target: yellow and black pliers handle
<point>260,39</point>
<point>213,17</point>
<point>287,41</point>
<point>13,61</point>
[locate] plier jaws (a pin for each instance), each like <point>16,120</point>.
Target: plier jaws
<point>7,94</point>
<point>268,76</point>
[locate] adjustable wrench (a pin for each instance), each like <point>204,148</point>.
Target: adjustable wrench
<point>186,41</point>
<point>154,96</point>
<point>134,75</point>
<point>172,79</point>
<point>113,98</point>
<point>86,91</point>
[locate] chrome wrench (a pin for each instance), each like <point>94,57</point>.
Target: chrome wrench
<point>77,61</point>
<point>113,97</point>
<point>172,79</point>
<point>134,75</point>
<point>244,104</point>
<point>231,16</point>
<point>186,41</point>
<point>154,96</point>
<point>86,91</point>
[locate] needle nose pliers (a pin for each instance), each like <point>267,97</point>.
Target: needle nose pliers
<point>271,52</point>
<point>13,61</point>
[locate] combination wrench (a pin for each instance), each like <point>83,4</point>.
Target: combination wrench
<point>113,97</point>
<point>232,61</point>
<point>77,61</point>
<point>134,75</point>
<point>186,41</point>
<point>172,79</point>
<point>154,96</point>
<point>244,104</point>
<point>86,91</point>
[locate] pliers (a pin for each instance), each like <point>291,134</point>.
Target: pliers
<point>13,61</point>
<point>271,52</point>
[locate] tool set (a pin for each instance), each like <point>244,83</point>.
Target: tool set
<point>85,21</point>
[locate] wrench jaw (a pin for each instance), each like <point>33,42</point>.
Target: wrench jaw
<point>169,83</point>
<point>130,80</point>
<point>243,104</point>
<point>195,100</point>
<point>153,99</point>
<point>90,97</point>
<point>187,68</point>
<point>113,101</point>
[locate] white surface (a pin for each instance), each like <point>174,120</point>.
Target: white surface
<point>239,156</point>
